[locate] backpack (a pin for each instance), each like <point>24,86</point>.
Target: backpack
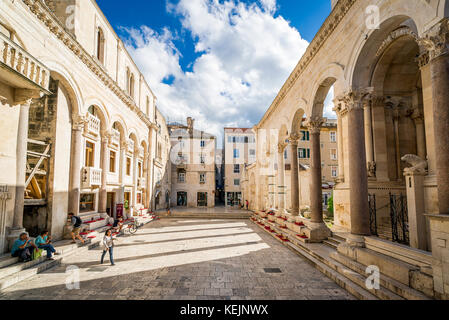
<point>78,222</point>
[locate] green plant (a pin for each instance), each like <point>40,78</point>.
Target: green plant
<point>330,206</point>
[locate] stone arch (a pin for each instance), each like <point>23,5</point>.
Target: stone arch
<point>132,134</point>
<point>121,123</point>
<point>297,121</point>
<point>362,68</point>
<point>103,113</point>
<point>320,96</point>
<point>61,74</point>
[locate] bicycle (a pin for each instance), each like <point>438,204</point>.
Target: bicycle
<point>131,227</point>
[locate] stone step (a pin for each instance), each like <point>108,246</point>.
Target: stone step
<point>7,260</point>
<point>331,244</point>
<point>389,290</point>
<point>13,272</point>
<point>386,282</point>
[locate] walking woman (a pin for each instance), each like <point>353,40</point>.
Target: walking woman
<point>108,245</point>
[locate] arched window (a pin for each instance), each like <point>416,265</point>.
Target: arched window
<point>148,106</point>
<point>91,110</point>
<point>128,74</point>
<point>131,86</point>
<point>100,45</point>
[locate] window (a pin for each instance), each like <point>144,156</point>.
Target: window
<point>139,169</point>
<point>334,154</point>
<point>303,153</point>
<point>100,45</point>
<point>128,166</point>
<point>87,202</point>
<point>252,152</point>
<point>148,106</point>
<point>305,136</point>
<point>112,157</point>
<point>236,153</point>
<point>236,182</point>
<point>139,197</point>
<point>131,86</point>
<point>333,136</point>
<point>236,168</point>
<point>202,143</point>
<point>334,172</point>
<point>90,147</point>
<point>202,178</point>
<point>285,154</point>
<point>181,176</point>
<point>202,159</point>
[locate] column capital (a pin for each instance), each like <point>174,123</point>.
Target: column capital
<point>293,138</point>
<point>354,99</point>
<point>79,123</point>
<point>281,147</point>
<point>436,39</point>
<point>315,124</point>
<point>106,136</point>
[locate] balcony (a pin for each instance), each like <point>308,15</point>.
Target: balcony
<point>141,182</point>
<point>141,152</point>
<point>93,124</point>
<point>90,177</point>
<point>20,69</point>
<point>130,146</point>
<point>115,137</point>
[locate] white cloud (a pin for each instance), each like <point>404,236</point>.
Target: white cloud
<point>329,105</point>
<point>245,56</point>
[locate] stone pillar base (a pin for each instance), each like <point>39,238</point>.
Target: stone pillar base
<point>317,232</point>
<point>349,248</point>
<point>13,235</point>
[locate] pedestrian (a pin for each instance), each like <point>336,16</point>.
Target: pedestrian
<point>76,222</point>
<point>118,224</point>
<point>23,248</point>
<point>43,242</point>
<point>108,246</point>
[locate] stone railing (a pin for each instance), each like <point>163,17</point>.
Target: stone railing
<point>130,146</point>
<point>16,58</point>
<point>141,152</point>
<point>91,177</point>
<point>141,182</point>
<point>115,137</point>
<point>93,124</point>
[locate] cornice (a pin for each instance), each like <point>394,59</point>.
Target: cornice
<point>334,19</point>
<point>43,13</point>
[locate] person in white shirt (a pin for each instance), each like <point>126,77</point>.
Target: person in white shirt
<point>108,246</point>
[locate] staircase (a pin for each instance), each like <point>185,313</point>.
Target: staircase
<point>12,271</point>
<point>347,273</point>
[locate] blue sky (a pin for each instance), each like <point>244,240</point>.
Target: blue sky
<point>220,61</point>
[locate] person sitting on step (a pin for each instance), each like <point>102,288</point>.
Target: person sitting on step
<point>23,248</point>
<point>43,242</point>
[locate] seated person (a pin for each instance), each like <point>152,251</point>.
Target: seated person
<point>23,248</point>
<point>44,242</point>
<point>118,224</point>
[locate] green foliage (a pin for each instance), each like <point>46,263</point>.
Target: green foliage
<point>330,206</point>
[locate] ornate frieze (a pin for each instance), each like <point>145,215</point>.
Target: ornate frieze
<point>43,13</point>
<point>436,40</point>
<point>393,36</point>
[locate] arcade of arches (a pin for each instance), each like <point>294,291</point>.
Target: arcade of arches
<point>391,89</point>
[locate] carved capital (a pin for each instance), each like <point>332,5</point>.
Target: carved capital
<point>294,137</point>
<point>79,123</point>
<point>281,147</point>
<point>315,124</point>
<point>25,96</point>
<point>355,99</point>
<point>436,40</point>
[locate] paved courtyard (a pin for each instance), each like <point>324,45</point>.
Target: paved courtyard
<point>186,259</point>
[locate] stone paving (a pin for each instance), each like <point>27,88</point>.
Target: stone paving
<point>186,260</point>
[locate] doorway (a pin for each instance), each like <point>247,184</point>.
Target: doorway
<point>182,199</point>
<point>110,204</point>
<point>202,199</point>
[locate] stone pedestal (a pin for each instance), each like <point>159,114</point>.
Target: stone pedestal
<point>75,171</point>
<point>439,228</point>
<point>317,232</point>
<point>415,203</point>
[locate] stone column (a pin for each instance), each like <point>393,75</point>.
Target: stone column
<point>418,119</point>
<point>102,203</point>
<point>358,180</point>
<point>294,174</point>
<point>21,155</point>
<point>341,154</point>
<point>416,209</point>
<point>396,116</point>
<point>316,193</point>
<point>281,178</point>
<point>75,172</point>
<point>437,43</point>
<point>369,137</point>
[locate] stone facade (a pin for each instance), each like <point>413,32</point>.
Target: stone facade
<point>390,82</point>
<point>68,83</point>
<point>239,151</point>
<point>192,166</point>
